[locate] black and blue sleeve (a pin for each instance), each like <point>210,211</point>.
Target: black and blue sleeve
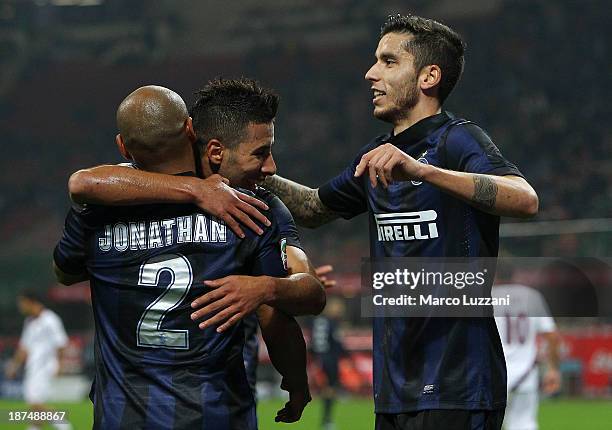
<point>70,253</point>
<point>470,149</point>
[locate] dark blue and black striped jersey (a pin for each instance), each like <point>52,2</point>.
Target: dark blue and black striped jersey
<point>154,367</point>
<point>430,363</point>
<point>289,237</point>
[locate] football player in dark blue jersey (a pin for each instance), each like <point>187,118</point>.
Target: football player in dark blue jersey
<point>218,116</point>
<point>229,155</point>
<point>434,186</point>
<point>119,185</point>
<point>146,263</point>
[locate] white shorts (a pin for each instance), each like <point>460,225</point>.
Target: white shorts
<point>522,411</point>
<point>37,386</point>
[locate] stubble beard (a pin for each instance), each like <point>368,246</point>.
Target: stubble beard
<point>406,103</point>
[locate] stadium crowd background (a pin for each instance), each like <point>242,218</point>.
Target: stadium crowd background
<point>537,79</point>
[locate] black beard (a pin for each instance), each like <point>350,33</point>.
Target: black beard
<point>394,115</point>
<point>389,116</point>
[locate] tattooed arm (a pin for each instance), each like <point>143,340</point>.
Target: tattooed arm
<point>304,203</point>
<point>499,195</point>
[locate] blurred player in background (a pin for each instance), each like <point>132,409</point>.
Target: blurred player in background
<point>41,348</point>
<point>434,186</point>
<point>327,348</point>
<point>519,326</point>
<point>147,263</point>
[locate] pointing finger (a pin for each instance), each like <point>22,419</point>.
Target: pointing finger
<point>363,164</point>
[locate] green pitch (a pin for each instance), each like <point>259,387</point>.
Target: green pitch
<point>356,414</point>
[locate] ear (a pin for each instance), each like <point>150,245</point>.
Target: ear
<point>124,152</point>
<point>214,151</point>
<point>430,76</point>
<point>189,131</point>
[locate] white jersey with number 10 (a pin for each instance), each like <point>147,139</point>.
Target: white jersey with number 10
<point>519,325</point>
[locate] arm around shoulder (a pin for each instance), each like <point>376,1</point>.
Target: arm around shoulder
<point>303,202</point>
<point>77,185</point>
<point>119,185</point>
<point>123,185</point>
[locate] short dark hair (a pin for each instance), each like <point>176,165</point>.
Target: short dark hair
<point>225,107</point>
<point>32,295</point>
<point>433,43</point>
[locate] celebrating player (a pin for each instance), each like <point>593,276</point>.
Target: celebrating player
<point>434,186</point>
<point>146,263</point>
<point>219,117</point>
<point>41,348</point>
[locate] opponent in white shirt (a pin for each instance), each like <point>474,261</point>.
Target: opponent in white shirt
<point>41,347</point>
<point>519,325</point>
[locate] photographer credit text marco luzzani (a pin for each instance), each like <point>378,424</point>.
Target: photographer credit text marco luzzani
<point>411,280</point>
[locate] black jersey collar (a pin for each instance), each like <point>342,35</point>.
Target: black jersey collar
<point>421,129</point>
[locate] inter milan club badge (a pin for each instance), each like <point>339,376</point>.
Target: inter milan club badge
<point>283,248</point>
<point>423,160</point>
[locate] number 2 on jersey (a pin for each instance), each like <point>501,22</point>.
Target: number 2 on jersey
<point>149,332</point>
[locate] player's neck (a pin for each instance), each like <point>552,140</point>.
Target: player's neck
<point>422,110</point>
<point>206,169</point>
<point>179,164</point>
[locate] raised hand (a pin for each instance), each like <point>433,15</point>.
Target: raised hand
<point>388,163</point>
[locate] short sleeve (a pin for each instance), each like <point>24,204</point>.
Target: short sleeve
<point>469,149</point>
<point>286,224</point>
<point>58,333</point>
<point>345,194</point>
<point>70,253</point>
<point>25,339</point>
<point>270,256</point>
